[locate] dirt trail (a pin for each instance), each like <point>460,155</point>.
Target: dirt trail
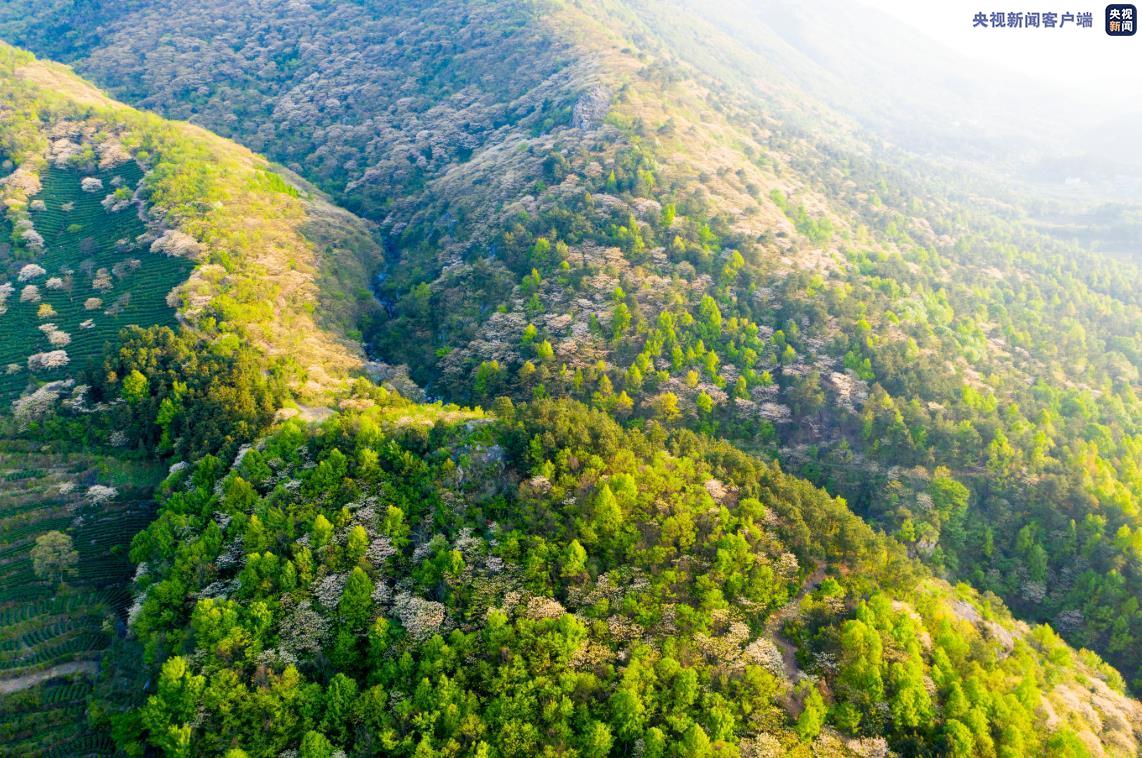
<point>8,686</point>
<point>788,649</point>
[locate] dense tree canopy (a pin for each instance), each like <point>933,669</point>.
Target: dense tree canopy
<point>568,584</point>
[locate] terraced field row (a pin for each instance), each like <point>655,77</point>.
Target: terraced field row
<point>43,624</point>
<point>97,277</point>
<point>57,708</point>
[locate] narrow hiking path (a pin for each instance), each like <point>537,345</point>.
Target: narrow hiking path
<point>788,650</point>
<point>16,684</point>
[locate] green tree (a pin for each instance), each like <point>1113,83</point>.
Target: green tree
<point>666,406</point>
<point>487,378</point>
<point>574,564</point>
<point>606,515</point>
<point>340,701</point>
<point>315,745</point>
<point>859,678</point>
<point>321,532</point>
<point>620,320</point>
<point>597,740</point>
<point>959,740</point>
<point>813,713</point>
<point>710,316</point>
<point>356,544</point>
<point>705,403</point>
<point>54,557</point>
<point>395,527</point>
<point>695,743</point>
<point>167,714</point>
<point>544,351</point>
<point>135,387</point>
<point>356,605</point>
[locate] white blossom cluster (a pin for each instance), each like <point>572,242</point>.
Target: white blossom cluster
<point>102,280</point>
<point>717,490</point>
<point>113,203</point>
<point>622,629</point>
<point>218,589</point>
<point>1069,621</point>
<point>65,146</point>
<point>38,404</point>
<point>421,618</point>
<point>32,239</point>
<point>23,181</point>
<point>539,608</point>
<point>136,606</point>
<point>49,361</point>
<point>776,412</point>
<point>176,243</point>
<point>30,271</point>
<point>304,631</point>
<point>380,550</point>
<point>328,590</point>
<point>850,391</point>
<point>111,154</point>
<point>762,745</point>
<point>869,747</point>
<point>234,554</point>
<point>365,514</point>
<point>422,551</point>
<point>56,336</point>
<point>763,652</point>
<point>787,565</point>
<point>77,401</point>
<point>243,451</point>
<point>382,594</point>
<point>97,494</point>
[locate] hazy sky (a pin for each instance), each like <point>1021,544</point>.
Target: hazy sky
<point>1083,60</point>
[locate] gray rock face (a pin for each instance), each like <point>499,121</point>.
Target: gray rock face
<point>591,108</point>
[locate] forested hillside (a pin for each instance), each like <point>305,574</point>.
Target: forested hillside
<point>635,222</point>
<point>405,581</point>
<point>778,420</point>
<point>117,227</point>
<point>99,196</point>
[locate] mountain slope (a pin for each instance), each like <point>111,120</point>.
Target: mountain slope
<point>878,326</point>
<point>273,258</point>
<point>548,580</point>
<point>120,226</point>
<point>398,93</point>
